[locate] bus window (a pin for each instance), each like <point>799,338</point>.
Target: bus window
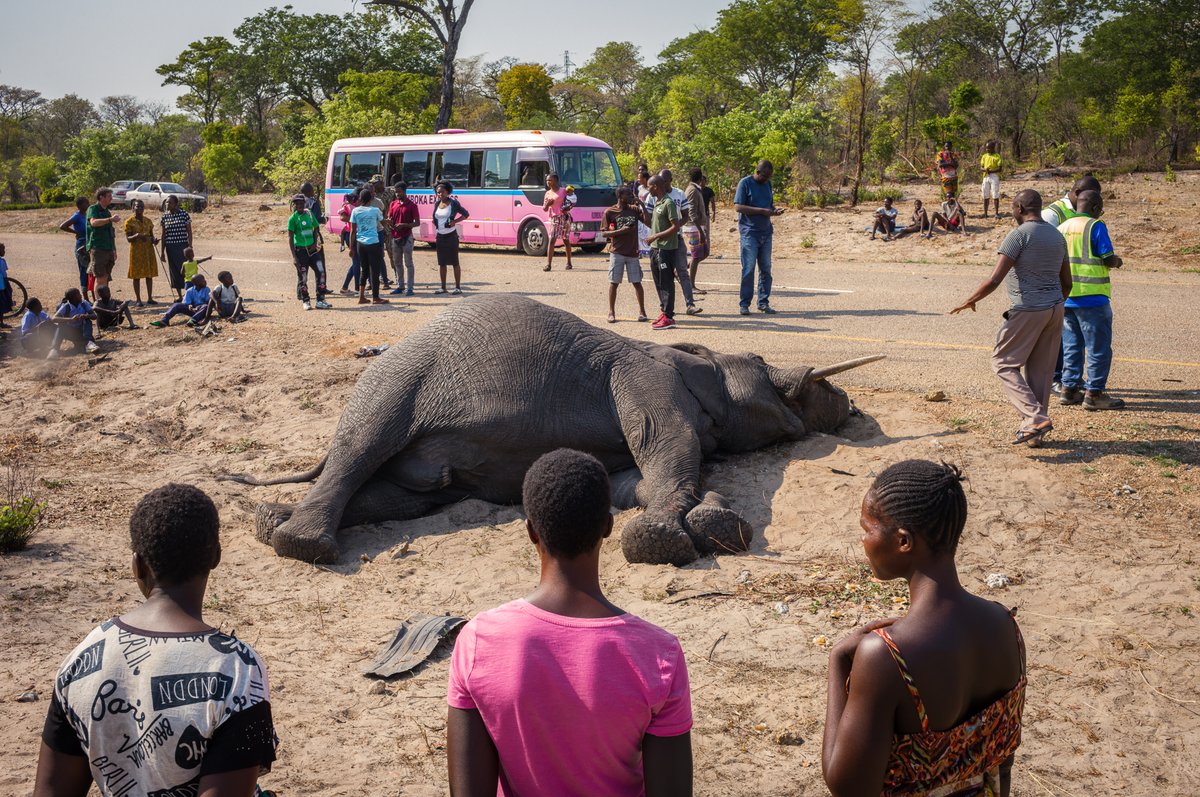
<point>475,174</point>
<point>416,169</point>
<point>454,166</point>
<point>393,168</point>
<point>361,167</point>
<point>533,165</point>
<point>497,171</point>
<point>587,168</point>
<point>338,177</point>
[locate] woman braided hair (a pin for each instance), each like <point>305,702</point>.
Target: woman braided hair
<point>925,498</point>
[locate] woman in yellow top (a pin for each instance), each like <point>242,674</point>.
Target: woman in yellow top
<point>139,231</point>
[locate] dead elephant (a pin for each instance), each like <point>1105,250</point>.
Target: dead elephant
<point>462,408</point>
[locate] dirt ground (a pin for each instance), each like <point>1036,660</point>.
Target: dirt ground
<point>1106,579</point>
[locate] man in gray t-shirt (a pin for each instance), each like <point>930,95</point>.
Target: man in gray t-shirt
<point>1034,268</point>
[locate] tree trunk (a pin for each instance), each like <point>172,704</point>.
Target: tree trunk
<point>861,142</point>
<point>446,106</point>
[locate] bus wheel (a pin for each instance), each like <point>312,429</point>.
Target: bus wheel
<point>592,249</point>
<point>534,238</point>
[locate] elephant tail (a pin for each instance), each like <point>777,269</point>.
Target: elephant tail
<point>295,478</point>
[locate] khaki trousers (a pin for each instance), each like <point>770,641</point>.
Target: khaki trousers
<point>1024,358</point>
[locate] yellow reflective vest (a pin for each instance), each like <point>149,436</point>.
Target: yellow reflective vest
<point>1089,275</point>
<point>1062,211</point>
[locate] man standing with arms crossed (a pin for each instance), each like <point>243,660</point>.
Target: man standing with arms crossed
<point>1033,266</point>
<point>1088,318</point>
<point>101,237</point>
<point>405,217</point>
<point>754,202</point>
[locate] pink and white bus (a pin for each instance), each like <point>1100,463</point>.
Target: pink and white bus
<point>499,178</point>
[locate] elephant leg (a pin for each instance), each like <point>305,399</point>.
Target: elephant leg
<point>376,501</point>
<point>624,488</point>
<point>715,528</point>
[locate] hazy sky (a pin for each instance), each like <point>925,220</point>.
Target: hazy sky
<point>115,47</point>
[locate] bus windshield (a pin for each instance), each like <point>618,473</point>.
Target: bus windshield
<point>587,168</point>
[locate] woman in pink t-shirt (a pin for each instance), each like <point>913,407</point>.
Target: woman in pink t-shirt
<point>562,693</point>
<point>560,221</point>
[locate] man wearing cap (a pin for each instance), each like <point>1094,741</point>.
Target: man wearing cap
<point>305,242</point>
<point>383,201</point>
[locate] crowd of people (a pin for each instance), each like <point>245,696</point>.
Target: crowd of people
<point>560,692</point>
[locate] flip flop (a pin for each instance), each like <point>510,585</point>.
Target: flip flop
<point>612,319</point>
<point>1035,433</point>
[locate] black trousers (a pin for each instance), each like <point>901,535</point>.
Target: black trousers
<point>370,258</point>
<point>662,267</point>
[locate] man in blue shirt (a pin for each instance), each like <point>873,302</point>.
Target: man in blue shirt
<point>755,205</point>
<point>77,225</point>
<point>195,304</point>
<point>1088,317</point>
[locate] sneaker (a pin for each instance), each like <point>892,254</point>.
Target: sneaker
<point>307,305</point>
<point>398,292</point>
<point>408,292</point>
<point>191,324</point>
<point>663,323</point>
<point>323,305</point>
<point>1057,388</point>
<point>1099,400</point>
<point>151,303</point>
<point>694,310</point>
<point>440,290</point>
<point>766,308</point>
<point>1069,396</point>
<point>91,347</point>
<point>158,324</point>
<point>744,311</point>
<point>348,292</point>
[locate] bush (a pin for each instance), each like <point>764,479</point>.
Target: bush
<point>867,195</point>
<point>34,205</point>
<point>20,511</point>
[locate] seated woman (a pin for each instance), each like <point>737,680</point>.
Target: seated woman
<point>929,703</point>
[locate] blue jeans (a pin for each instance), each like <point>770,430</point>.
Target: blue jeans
<point>756,248</point>
<point>1087,331</point>
<point>82,260</point>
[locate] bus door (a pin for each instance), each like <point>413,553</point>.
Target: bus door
<point>498,184</point>
<point>533,167</point>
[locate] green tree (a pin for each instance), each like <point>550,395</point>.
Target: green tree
<point>205,70</point>
<point>775,44</point>
<point>222,164</point>
<point>524,91</point>
<point>41,172</point>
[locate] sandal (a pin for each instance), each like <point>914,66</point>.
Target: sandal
<point>456,292</point>
<point>612,319</point>
<point>440,290</point>
<point>380,301</point>
<point>643,318</point>
<point>1036,433</point>
<point>547,268</point>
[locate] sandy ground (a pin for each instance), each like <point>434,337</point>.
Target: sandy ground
<point>1107,586</point>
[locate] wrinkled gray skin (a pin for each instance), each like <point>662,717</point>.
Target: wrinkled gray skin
<point>462,408</point>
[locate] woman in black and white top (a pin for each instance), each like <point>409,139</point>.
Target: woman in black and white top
<point>176,237</point>
<point>446,214</point>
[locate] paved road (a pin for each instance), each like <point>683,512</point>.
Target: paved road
<point>828,311</point>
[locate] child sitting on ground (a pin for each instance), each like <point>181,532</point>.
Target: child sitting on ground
<point>920,222</point>
<point>931,702</point>
<point>109,311</point>
<point>157,701</point>
<point>195,304</point>
<point>191,266</point>
<point>885,220</point>
<point>563,693</point>
<point>952,218</point>
<point>226,299</point>
<point>73,321</point>
<point>37,333</point>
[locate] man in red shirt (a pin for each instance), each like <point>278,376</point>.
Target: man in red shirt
<point>405,218</point>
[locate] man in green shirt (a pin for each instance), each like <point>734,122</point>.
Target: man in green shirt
<point>101,239</point>
<point>665,223</point>
<point>305,241</point>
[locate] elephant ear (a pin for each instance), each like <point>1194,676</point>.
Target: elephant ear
<point>789,382</point>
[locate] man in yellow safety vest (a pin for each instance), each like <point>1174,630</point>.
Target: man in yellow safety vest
<point>1057,212</point>
<point>1087,319</point>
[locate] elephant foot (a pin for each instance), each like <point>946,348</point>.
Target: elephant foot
<point>717,529</point>
<point>657,538</point>
<point>276,525</point>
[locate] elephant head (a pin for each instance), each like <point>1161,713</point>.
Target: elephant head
<point>765,404</point>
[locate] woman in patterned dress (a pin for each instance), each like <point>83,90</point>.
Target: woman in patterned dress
<point>928,704</point>
<point>139,231</point>
<point>176,236</point>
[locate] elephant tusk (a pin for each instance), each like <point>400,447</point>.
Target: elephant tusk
<point>830,370</point>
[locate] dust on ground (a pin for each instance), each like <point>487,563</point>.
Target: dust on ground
<point>1106,579</point>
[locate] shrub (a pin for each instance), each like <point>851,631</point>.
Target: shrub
<point>867,195</point>
<point>20,511</point>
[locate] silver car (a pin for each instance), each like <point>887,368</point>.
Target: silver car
<point>121,188</point>
<point>155,194</point>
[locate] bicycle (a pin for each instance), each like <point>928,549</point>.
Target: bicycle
<point>19,297</point>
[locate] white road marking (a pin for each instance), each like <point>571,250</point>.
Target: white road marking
<point>781,287</point>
